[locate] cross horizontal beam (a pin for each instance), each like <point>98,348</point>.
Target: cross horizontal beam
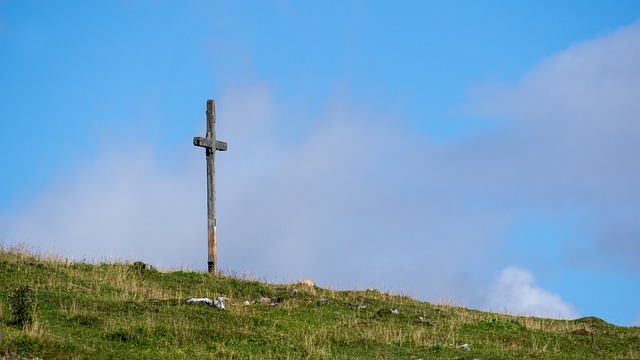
<point>210,143</point>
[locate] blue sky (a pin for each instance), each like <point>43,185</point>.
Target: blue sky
<point>475,152</point>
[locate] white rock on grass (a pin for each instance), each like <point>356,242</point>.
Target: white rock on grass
<point>264,301</point>
<point>213,303</point>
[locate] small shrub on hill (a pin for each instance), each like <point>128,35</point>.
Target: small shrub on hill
<point>21,301</point>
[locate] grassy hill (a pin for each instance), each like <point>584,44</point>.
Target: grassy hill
<point>129,311</point>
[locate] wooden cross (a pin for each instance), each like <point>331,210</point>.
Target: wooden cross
<point>211,145</point>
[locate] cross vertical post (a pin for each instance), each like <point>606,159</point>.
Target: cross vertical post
<point>211,145</point>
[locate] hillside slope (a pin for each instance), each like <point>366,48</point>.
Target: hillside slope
<point>130,311</point>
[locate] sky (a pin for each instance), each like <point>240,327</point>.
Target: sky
<point>481,154</point>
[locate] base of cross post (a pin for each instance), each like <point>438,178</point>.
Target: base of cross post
<point>211,267</point>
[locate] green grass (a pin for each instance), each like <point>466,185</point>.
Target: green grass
<point>122,311</point>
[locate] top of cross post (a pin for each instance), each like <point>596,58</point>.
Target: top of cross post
<point>211,119</point>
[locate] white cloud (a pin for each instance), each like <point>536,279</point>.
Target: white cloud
<point>514,291</point>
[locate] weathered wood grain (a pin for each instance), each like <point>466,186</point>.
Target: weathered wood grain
<point>211,145</point>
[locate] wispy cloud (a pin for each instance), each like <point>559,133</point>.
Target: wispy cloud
<point>354,202</point>
<point>569,140</point>
<point>125,204</point>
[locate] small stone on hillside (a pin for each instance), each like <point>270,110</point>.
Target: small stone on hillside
<point>212,303</point>
<point>141,266</point>
<point>307,282</point>
<point>394,311</point>
<point>464,347</point>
